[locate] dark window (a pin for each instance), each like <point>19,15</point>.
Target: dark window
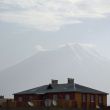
<point>84,98</point>
<point>61,96</point>
<point>84,101</point>
<point>72,96</point>
<point>100,99</point>
<point>67,97</point>
<point>46,97</point>
<point>20,99</point>
<point>55,97</point>
<point>92,98</point>
<point>92,101</point>
<point>30,97</point>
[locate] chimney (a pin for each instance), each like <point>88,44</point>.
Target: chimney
<point>70,80</point>
<point>54,81</point>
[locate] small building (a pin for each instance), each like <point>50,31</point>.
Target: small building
<point>67,95</point>
<point>1,100</point>
<point>5,102</point>
<point>108,107</point>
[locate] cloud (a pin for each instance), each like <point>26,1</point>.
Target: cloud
<point>51,15</point>
<point>40,48</point>
<point>74,44</point>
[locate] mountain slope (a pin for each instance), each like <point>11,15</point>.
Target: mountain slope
<point>81,62</point>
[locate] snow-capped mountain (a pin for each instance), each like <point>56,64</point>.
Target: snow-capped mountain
<point>77,61</point>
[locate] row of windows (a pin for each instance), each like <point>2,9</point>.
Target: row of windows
<point>67,97</point>
<point>55,97</point>
<point>92,98</point>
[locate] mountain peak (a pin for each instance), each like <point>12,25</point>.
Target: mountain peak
<point>81,49</point>
<point>77,45</point>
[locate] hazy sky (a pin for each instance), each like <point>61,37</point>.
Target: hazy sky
<point>29,25</point>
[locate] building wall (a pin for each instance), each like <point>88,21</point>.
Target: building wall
<point>89,104</point>
<point>75,99</point>
<point>88,100</point>
<point>27,97</point>
<point>105,100</point>
<point>78,99</point>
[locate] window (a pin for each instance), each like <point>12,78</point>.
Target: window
<point>61,96</point>
<point>100,98</point>
<point>20,99</point>
<point>45,97</point>
<point>30,97</point>
<point>67,97</point>
<point>92,99</point>
<point>55,97</point>
<point>84,98</point>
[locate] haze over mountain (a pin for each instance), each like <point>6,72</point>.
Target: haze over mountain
<point>78,61</point>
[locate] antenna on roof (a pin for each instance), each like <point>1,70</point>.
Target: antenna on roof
<point>74,86</point>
